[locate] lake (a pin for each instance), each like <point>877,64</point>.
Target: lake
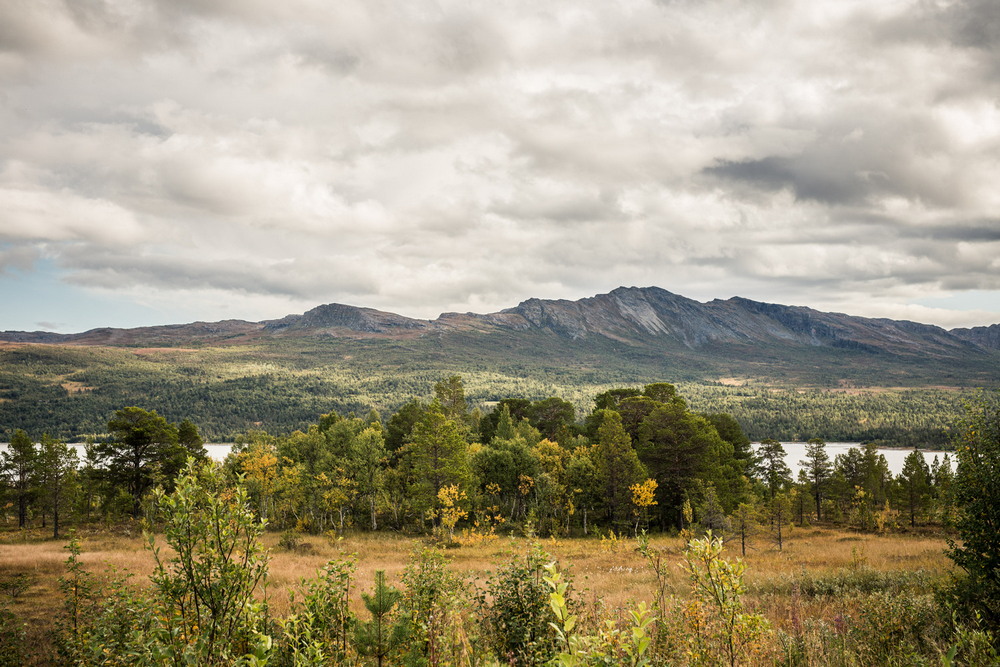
<point>796,451</point>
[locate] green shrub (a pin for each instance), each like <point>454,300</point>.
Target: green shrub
<point>610,646</point>
<point>897,629</point>
<point>849,581</point>
<point>722,631</point>
<point>201,608</point>
<point>290,540</point>
<point>204,592</point>
<point>322,623</point>
<point>514,609</point>
<point>433,605</point>
<point>11,638</point>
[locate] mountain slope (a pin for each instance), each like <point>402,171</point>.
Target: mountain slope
<point>639,316</point>
<point>627,313</point>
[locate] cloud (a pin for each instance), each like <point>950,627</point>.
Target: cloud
<point>33,216</point>
<point>433,156</point>
<point>19,258</point>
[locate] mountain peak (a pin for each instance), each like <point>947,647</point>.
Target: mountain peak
<point>336,318</point>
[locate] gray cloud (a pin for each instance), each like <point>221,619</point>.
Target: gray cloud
<point>975,23</point>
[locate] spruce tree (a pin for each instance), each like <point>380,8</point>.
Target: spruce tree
<point>977,492</point>
<point>915,480</point>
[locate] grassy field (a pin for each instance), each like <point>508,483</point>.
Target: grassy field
<point>812,577</point>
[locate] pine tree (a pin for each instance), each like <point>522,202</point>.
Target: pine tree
<point>618,466</point>
<point>915,480</point>
<point>20,465</point>
<point>438,456</point>
<point>746,520</point>
<point>57,477</point>
<point>780,514</point>
<point>771,466</point>
<point>818,470</point>
<point>143,444</point>
<point>450,394</point>
<point>977,492</point>
<point>380,636</point>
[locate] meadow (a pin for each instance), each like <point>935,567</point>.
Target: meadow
<point>821,575</point>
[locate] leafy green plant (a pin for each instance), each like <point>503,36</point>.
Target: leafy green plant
<point>610,646</point>
<point>121,629</point>
<point>514,609</point>
<point>79,601</point>
<point>204,592</point>
<point>723,631</point>
<point>327,603</point>
<point>432,605</point>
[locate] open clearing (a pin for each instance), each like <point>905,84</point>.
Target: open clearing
<point>607,572</point>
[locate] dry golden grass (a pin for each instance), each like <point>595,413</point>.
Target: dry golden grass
<point>615,575</point>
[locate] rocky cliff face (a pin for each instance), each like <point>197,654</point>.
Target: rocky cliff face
<point>623,313</point>
<point>630,313</point>
<point>986,337</point>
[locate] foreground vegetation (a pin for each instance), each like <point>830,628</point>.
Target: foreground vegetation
<point>829,597</point>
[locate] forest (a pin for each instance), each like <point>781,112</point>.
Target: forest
<point>641,466</point>
<point>72,392</point>
<point>641,458</point>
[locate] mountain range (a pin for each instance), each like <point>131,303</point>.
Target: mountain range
<point>782,371</point>
<point>630,315</point>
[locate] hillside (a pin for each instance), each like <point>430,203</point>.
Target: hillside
<point>752,359</point>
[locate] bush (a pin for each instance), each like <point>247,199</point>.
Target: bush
<point>432,605</point>
<point>847,582</point>
<point>318,630</point>
<point>897,629</point>
<point>290,540</point>
<point>515,613</point>
<point>201,608</point>
<point>11,638</point>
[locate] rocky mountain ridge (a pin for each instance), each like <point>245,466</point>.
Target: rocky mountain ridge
<point>628,314</point>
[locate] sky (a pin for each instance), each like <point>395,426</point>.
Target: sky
<point>166,161</point>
